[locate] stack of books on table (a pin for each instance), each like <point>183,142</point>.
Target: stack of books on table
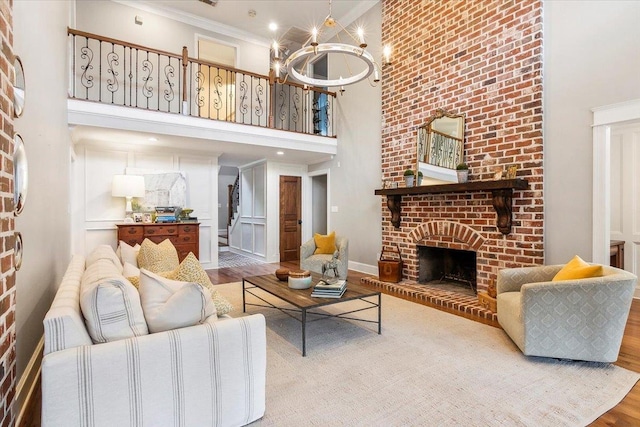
<point>165,214</point>
<point>331,288</point>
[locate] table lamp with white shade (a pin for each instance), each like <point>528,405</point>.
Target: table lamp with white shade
<point>128,186</point>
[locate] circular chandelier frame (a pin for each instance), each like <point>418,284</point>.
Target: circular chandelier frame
<point>304,54</point>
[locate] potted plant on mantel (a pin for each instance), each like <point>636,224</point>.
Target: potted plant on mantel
<point>463,172</point>
<point>408,177</point>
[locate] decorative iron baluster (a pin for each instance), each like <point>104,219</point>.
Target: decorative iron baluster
<point>259,109</point>
<point>327,110</point>
<point>169,71</point>
<point>147,91</point>
<point>130,77</point>
<point>199,90</point>
<point>316,114</point>
<point>86,79</point>
<point>218,84</point>
<point>244,108</point>
<point>113,59</point>
<point>295,111</point>
<point>283,113</point>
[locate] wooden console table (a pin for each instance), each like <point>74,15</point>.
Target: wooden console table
<point>184,236</point>
<point>501,190</point>
<point>616,253</point>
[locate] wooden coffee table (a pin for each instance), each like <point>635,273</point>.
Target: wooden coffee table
<point>305,304</point>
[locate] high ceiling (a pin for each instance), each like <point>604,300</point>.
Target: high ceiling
<point>289,15</point>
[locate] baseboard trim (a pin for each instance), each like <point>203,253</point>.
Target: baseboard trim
<point>28,381</point>
<point>363,268</point>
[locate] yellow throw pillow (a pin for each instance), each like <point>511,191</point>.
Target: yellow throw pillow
<point>157,258</point>
<point>578,269</point>
<point>190,270</point>
<point>325,244</point>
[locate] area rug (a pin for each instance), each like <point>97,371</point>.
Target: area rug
<point>427,368</point>
<point>231,259</point>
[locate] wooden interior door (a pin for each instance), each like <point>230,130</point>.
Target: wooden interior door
<point>290,217</point>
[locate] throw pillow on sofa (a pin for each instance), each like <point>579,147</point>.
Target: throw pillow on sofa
<point>132,273</point>
<point>110,304</point>
<point>158,257</point>
<point>325,244</point>
<point>104,252</point>
<point>190,270</point>
<point>170,304</point>
<point>128,253</point>
<point>577,268</point>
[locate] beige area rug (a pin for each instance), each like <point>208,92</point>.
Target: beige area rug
<point>428,368</point>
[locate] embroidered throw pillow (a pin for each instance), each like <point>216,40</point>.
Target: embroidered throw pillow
<point>325,244</point>
<point>132,273</point>
<point>158,257</point>
<point>190,270</point>
<point>170,304</point>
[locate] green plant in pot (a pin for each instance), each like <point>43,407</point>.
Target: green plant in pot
<point>463,172</point>
<point>409,176</point>
<point>420,178</point>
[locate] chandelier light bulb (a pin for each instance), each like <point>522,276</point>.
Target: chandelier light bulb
<point>314,36</point>
<point>376,75</point>
<point>386,52</point>
<point>361,37</point>
<point>276,50</point>
<point>276,67</point>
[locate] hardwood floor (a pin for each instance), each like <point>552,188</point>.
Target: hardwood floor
<point>626,413</point>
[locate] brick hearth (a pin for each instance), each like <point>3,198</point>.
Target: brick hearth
<point>449,301</point>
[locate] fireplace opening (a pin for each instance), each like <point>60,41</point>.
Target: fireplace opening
<point>452,268</point>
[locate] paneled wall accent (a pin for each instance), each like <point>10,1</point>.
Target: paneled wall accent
<point>483,59</point>
<point>95,211</point>
<point>249,235</point>
<point>7,266</point>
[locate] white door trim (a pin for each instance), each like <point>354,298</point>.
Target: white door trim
<point>603,118</point>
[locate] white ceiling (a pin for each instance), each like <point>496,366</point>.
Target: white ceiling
<point>234,16</point>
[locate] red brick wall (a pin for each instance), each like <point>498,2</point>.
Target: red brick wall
<point>7,270</point>
<point>483,59</point>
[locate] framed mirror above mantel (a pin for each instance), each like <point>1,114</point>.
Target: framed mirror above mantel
<point>440,147</point>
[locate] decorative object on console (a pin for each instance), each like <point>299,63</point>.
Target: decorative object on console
<point>409,177</point>
<point>128,186</point>
<point>463,172</point>
<point>497,172</point>
<point>296,64</point>
<point>20,175</point>
<point>166,214</point>
<point>511,171</point>
<point>299,279</point>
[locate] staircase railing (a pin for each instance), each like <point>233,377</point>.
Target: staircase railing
<point>116,72</point>
<point>233,199</point>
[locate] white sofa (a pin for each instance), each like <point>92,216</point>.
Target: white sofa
<point>204,375</point>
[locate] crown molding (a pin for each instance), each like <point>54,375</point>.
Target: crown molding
<point>196,21</point>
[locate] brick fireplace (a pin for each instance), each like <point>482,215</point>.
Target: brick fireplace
<point>483,60</point>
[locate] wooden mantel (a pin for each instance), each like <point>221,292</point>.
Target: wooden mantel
<point>502,191</point>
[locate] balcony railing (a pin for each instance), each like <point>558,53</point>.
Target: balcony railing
<point>116,72</point>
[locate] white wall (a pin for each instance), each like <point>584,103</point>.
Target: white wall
<point>95,211</point>
<point>591,59</point>
<point>115,20</point>
<point>356,170</point>
<point>40,40</point>
<point>250,233</point>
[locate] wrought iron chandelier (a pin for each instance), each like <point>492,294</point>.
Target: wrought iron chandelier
<point>297,63</point>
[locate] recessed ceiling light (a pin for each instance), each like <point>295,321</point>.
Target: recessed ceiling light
<point>280,153</point>
<point>273,26</point>
<point>153,139</point>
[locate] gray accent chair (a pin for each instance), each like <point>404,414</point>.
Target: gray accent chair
<point>311,262</point>
<point>581,319</point>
